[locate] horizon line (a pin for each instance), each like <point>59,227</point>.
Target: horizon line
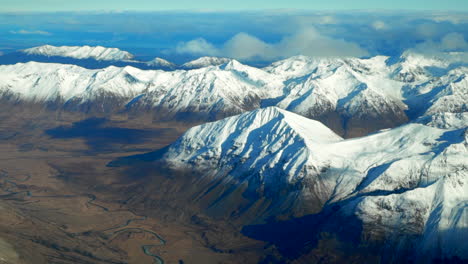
<point>253,10</point>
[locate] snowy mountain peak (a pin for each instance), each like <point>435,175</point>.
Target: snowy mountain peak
<point>445,120</point>
<point>232,64</point>
<point>412,177</point>
<point>159,62</point>
<point>352,96</point>
<point>81,52</point>
<point>257,141</point>
<point>299,66</point>
<point>205,62</point>
<point>414,67</point>
<point>310,130</point>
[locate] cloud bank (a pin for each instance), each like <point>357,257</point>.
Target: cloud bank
<point>254,37</point>
<point>307,41</point>
<point>30,32</point>
<point>197,47</point>
<point>452,42</point>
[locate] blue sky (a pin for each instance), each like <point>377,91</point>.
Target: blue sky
<point>249,36</point>
<point>153,5</point>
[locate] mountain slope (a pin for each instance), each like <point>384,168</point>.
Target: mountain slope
<point>257,164</point>
<point>208,91</point>
<point>353,97</point>
<point>256,141</point>
<point>81,52</point>
<point>161,64</point>
<point>84,56</point>
<point>446,94</point>
<point>406,186</point>
<point>204,62</point>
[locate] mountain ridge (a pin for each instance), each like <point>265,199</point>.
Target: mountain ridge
<point>81,52</point>
<point>403,182</point>
<point>352,96</point>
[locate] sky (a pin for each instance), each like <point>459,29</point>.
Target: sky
<point>257,37</point>
<point>155,5</point>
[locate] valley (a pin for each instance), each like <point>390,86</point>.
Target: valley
<point>60,203</point>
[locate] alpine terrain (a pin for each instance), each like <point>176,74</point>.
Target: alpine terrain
<point>110,157</point>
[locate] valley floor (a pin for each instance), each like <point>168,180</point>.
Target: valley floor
<point>60,203</point>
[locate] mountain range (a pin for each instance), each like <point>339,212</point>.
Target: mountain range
<point>401,190</point>
<point>352,96</point>
<point>316,156</point>
<point>98,57</point>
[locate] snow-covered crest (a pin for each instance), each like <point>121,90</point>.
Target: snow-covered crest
<point>409,178</point>
<point>161,63</point>
<point>205,62</point>
<point>209,90</point>
<point>81,52</point>
<point>347,92</point>
<point>259,140</point>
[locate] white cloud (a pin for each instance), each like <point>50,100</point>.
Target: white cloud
<point>328,20</point>
<point>427,30</point>
<point>197,46</point>
<point>31,32</point>
<point>450,42</point>
<point>453,18</point>
<point>453,41</point>
<point>307,41</point>
<point>310,42</point>
<point>245,46</point>
<point>452,47</point>
<point>379,25</point>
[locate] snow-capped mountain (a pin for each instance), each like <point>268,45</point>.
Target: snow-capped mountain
<point>81,52</point>
<point>84,56</point>
<point>445,120</point>
<point>404,185</point>
<point>448,93</point>
<point>351,96</point>
<point>416,67</point>
<point>208,91</point>
<point>357,92</point>
<point>352,92</point>
<point>268,149</point>
<point>407,184</point>
<point>161,63</point>
<point>39,82</point>
<point>204,62</point>
<point>267,152</point>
